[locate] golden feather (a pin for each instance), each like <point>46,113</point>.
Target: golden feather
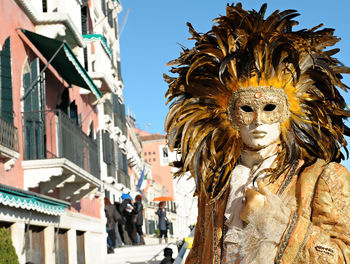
<point>244,49</point>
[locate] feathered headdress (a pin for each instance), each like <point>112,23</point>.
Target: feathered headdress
<point>245,50</point>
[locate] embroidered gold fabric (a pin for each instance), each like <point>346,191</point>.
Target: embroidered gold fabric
<point>319,229</point>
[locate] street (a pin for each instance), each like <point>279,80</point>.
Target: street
<point>152,253</point>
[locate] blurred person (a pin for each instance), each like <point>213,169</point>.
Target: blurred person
<point>113,217</point>
<point>168,256</point>
<point>162,222</point>
<point>119,241</point>
<point>126,209</point>
<point>138,209</point>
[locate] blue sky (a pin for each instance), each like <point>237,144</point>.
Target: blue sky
<point>154,28</point>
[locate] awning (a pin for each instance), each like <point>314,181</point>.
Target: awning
<point>98,37</point>
<point>163,199</point>
<point>65,62</point>
<point>27,200</point>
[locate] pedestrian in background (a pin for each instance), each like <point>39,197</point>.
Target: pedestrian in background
<point>162,222</point>
<point>138,208</point>
<point>112,217</point>
<point>118,227</point>
<point>168,256</point>
<point>126,209</point>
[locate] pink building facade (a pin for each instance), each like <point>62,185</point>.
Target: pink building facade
<point>51,184</point>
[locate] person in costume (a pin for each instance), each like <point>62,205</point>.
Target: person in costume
<point>259,122</point>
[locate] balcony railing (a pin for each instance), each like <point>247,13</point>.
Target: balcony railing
<point>8,135</point>
<point>52,134</point>
<point>123,178</point>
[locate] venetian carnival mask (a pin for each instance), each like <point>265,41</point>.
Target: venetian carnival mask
<point>258,114</point>
<point>267,105</point>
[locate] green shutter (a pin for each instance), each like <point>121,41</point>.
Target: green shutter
<point>34,116</point>
<point>6,101</point>
<point>106,148</point>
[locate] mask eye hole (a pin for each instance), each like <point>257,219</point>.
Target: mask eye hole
<point>246,108</point>
<point>269,107</point>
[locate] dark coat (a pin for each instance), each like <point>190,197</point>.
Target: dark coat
<point>162,222</point>
<point>139,212</point>
<point>167,260</point>
<point>112,215</point>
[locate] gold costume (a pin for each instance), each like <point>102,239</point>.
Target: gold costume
<point>247,70</point>
<point>319,227</point>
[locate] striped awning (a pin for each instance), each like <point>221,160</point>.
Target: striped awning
<point>65,62</point>
<point>18,198</point>
<point>101,39</point>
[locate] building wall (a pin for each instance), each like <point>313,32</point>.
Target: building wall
<point>161,173</point>
<point>186,206</point>
<point>93,231</point>
<point>9,23</point>
<point>87,216</point>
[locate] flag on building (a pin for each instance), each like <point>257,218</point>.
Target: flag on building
<point>139,184</point>
<point>148,183</point>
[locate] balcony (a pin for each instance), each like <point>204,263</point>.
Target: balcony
<point>59,156</point>
<point>123,178</point>
<point>8,143</point>
<point>108,112</point>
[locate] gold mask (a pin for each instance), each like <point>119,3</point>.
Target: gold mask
<point>266,104</point>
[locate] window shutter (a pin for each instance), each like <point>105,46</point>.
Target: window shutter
<point>84,20</point>
<point>35,94</point>
<point>34,120</point>
<point>123,119</point>
<point>103,7</point>
<point>107,157</point>
<point>6,101</point>
<point>125,163</point>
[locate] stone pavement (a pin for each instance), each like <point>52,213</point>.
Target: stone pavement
<point>151,253</point>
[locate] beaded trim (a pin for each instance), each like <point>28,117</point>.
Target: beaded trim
<point>303,243</point>
<point>325,249</point>
<point>286,238</point>
<point>289,178</point>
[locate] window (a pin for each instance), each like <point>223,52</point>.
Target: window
<point>108,153</point>
<point>123,176</point>
<point>84,20</point>
<point>61,243</point>
<point>110,18</point>
<point>6,101</point>
<point>103,7</point>
<point>149,153</point>
<point>154,153</point>
<point>165,152</point>
<point>145,153</point>
<point>151,227</point>
<point>44,5</point>
<point>73,112</point>
<point>154,159</point>
<point>80,248</point>
<point>84,31</point>
<point>91,130</point>
<point>164,161</point>
<point>6,225</point>
<point>34,244</point>
<point>119,114</point>
<point>34,114</point>
<point>86,63</point>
